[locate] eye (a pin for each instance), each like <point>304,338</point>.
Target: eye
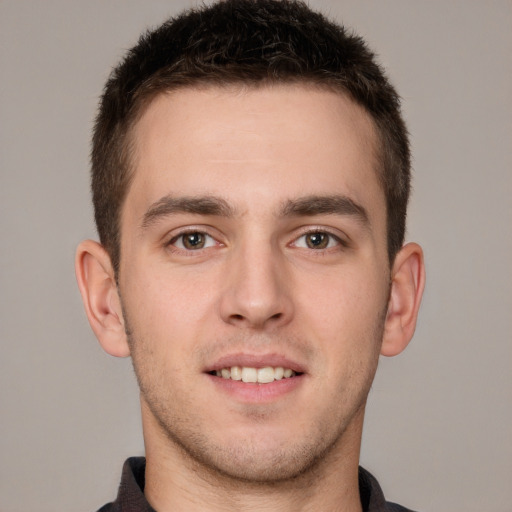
<point>317,240</point>
<point>193,241</point>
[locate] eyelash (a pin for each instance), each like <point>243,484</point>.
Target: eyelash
<point>183,250</point>
<point>340,242</point>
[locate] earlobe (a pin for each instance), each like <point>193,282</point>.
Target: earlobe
<point>95,277</point>
<point>407,284</point>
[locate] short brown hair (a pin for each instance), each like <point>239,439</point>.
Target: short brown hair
<point>253,42</point>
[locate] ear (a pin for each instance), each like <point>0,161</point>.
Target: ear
<point>407,284</point>
<point>95,276</point>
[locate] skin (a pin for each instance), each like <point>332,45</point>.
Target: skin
<point>270,172</point>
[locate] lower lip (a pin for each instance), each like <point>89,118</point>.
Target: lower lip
<point>257,393</point>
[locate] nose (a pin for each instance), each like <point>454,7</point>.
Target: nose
<point>256,290</point>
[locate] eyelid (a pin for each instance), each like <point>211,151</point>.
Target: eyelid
<point>340,237</point>
<point>175,240</point>
<point>171,238</point>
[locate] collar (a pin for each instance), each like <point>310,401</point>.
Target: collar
<point>130,497</point>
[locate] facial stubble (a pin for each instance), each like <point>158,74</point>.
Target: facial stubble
<point>246,463</point>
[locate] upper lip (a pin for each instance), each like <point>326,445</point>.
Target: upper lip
<point>255,361</point>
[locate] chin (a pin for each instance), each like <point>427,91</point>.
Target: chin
<point>261,466</point>
<point>258,459</point>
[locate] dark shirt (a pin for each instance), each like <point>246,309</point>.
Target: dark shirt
<point>130,497</point>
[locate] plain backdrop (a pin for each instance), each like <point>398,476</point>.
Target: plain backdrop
<point>438,433</point>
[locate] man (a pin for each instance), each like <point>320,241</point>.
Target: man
<point>250,176</point>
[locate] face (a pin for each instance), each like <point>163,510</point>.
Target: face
<point>254,276</point>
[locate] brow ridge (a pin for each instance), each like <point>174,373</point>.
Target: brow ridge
<point>307,206</point>
<point>324,205</point>
<point>200,205</point>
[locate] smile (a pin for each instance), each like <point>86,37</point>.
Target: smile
<point>247,374</point>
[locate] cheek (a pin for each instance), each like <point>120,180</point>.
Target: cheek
<point>343,297</point>
<point>345,315</point>
<point>169,311</point>
<point>159,339</point>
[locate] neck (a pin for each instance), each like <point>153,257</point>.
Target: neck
<point>175,481</point>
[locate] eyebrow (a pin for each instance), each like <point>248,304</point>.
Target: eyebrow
<point>325,205</point>
<point>199,205</point>
<point>215,206</point>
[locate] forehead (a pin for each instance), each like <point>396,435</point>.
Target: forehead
<point>251,143</point>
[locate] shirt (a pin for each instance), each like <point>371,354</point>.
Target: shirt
<point>130,497</point>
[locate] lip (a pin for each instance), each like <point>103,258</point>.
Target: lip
<point>254,393</point>
<point>255,361</point>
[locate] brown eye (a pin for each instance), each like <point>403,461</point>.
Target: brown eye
<point>317,240</point>
<point>193,241</point>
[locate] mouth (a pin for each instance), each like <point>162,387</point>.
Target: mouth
<point>244,371</point>
<point>254,375</point>
<point>256,379</point>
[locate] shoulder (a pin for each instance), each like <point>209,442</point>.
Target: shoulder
<point>372,497</point>
<point>109,507</point>
<point>130,496</point>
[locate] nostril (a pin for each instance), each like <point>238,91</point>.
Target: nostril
<point>238,318</point>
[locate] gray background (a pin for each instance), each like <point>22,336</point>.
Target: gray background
<point>439,422</point>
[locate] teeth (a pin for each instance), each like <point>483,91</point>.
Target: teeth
<point>235,373</point>
<point>266,375</point>
<point>255,375</point>
<point>249,375</point>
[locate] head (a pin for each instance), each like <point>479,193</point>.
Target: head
<point>254,44</point>
<point>250,179</point>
